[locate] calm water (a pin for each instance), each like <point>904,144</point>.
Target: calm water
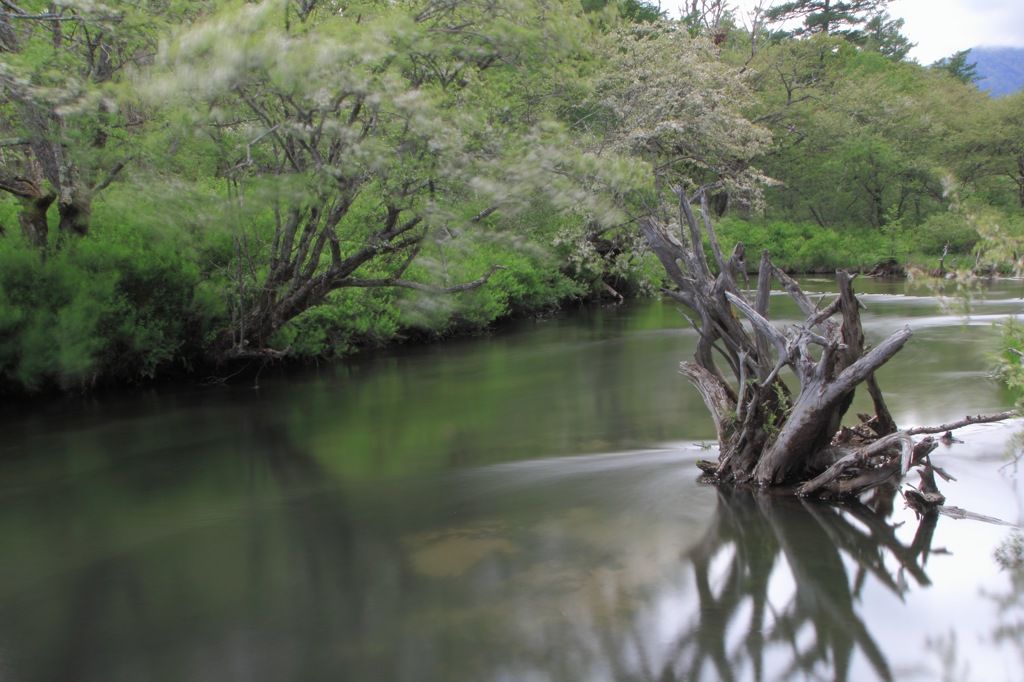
<point>516,507</point>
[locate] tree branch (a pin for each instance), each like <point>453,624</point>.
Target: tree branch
<point>110,177</point>
<point>966,421</point>
<point>866,365</point>
<point>763,326</point>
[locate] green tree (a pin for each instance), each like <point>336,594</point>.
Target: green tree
<point>663,118</point>
<point>352,142</point>
<point>884,35</point>
<point>65,138</point>
<point>637,11</point>
<point>675,105</point>
<point>857,136</point>
<point>1004,146</point>
<point>958,67</point>
<point>827,16</point>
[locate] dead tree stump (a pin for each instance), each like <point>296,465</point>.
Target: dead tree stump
<point>768,434</point>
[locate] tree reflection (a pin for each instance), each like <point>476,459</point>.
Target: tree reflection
<point>778,581</point>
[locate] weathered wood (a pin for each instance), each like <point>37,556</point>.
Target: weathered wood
<point>766,433</point>
<point>718,397</point>
<point>765,329</point>
<point>809,426</point>
<point>763,304</point>
<point>966,421</point>
<point>853,335</point>
<point>871,465</point>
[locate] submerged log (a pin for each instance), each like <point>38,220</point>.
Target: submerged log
<point>774,432</point>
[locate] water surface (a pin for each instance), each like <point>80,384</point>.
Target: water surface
<point>522,506</point>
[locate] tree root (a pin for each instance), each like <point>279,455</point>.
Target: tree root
<point>889,458</point>
<point>770,432</point>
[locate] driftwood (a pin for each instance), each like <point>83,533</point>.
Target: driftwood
<point>768,433</point>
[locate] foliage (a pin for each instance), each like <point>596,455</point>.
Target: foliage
<point>998,250</point>
<point>636,11</point>
<point>884,35</point>
<point>805,247</point>
<point>334,179</point>
<point>861,139</point>
<point>826,16</point>
<point>947,232</point>
<point>66,139</point>
<point>677,108</point>
<point>120,306</point>
<point>1010,554</point>
<point>348,320</point>
<point>713,18</point>
<point>1010,368</point>
<point>958,67</point>
<point>1000,170</point>
<point>352,140</point>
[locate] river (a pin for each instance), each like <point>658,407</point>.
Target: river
<point>520,506</point>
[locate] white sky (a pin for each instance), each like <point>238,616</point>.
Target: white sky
<point>942,27</point>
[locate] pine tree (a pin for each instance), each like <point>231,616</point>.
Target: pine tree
<point>827,16</point>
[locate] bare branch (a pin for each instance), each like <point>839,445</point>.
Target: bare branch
<point>114,172</point>
<point>763,326</point>
<point>718,396</point>
<point>860,370</point>
<point>966,421</point>
<point>483,214</point>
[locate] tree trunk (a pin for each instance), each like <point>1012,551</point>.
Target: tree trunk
<point>33,219</point>
<point>75,211</point>
<point>767,434</point>
<point>27,187</point>
<point>74,196</point>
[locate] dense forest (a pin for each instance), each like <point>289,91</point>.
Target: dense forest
<point>188,186</point>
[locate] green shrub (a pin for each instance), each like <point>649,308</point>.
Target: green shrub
<point>349,318</point>
<point>530,281</point>
<point>9,210</point>
<point>52,312</point>
<point>120,305</point>
<point>940,229</point>
<point>803,247</point>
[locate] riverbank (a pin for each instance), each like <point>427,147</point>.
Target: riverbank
<point>126,307</point>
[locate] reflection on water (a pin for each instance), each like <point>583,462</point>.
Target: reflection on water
<point>521,507</point>
<point>812,628</point>
<point>775,589</point>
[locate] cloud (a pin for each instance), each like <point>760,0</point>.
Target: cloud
<point>1002,21</point>
<point>942,27</point>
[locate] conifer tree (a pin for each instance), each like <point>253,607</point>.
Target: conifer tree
<point>827,16</point>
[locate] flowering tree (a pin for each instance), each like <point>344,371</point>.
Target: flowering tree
<point>351,135</point>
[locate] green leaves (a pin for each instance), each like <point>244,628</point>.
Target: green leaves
<point>957,66</point>
<point>826,16</point>
<point>349,138</point>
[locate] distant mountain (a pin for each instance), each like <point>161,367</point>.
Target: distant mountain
<point>1001,69</point>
